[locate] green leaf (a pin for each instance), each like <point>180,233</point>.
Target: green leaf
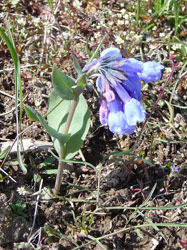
<point>94,55</point>
<point>10,47</point>
<point>81,84</point>
<point>49,171</point>
<point>153,225</point>
<point>62,84</point>
<point>35,116</point>
<point>50,2</point>
<point>79,125</point>
<point>77,65</point>
<point>139,233</point>
<point>4,152</point>
<point>171,111</point>
<point>87,49</point>
<point>31,113</point>
<point>15,58</point>
<point>21,164</point>
<point>47,162</point>
<point>18,85</point>
<point>37,178</point>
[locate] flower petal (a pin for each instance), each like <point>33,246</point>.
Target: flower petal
<point>151,72</point>
<point>115,106</point>
<point>103,113</point>
<point>118,124</point>
<point>133,65</point>
<point>99,84</point>
<point>122,93</point>
<point>134,112</point>
<point>133,87</point>
<point>110,52</point>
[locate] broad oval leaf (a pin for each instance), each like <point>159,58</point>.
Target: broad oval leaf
<point>79,125</point>
<point>62,84</point>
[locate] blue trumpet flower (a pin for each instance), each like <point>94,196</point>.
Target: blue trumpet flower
<point>120,88</point>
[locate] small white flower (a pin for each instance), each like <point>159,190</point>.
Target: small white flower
<point>126,16</point>
<point>123,11</point>
<point>97,35</point>
<point>119,40</point>
<point>126,22</point>
<point>137,37</point>
<point>100,25</point>
<point>21,190</point>
<point>110,12</point>
<point>77,4</point>
<point>36,21</point>
<point>152,47</point>
<point>21,21</point>
<point>65,34</point>
<point>110,23</point>
<point>176,46</point>
<point>162,34</point>
<point>120,22</point>
<point>168,70</point>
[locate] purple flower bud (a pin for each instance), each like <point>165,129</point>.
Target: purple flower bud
<point>103,113</point>
<point>109,95</point>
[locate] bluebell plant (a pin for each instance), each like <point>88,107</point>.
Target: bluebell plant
<point>119,84</point>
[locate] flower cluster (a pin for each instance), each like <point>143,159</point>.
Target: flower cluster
<point>119,85</point>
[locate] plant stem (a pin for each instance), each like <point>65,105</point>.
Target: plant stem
<point>138,12</point>
<point>63,148</point>
<point>156,103</point>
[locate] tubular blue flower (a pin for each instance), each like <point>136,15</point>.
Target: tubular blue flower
<point>134,112</point>
<point>151,72</point>
<point>120,87</point>
<point>117,120</point>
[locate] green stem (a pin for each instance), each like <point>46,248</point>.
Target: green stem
<point>138,13</point>
<point>63,148</point>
